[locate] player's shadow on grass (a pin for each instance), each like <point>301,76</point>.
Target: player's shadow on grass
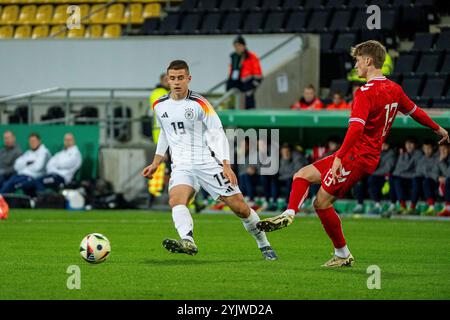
<point>193,261</point>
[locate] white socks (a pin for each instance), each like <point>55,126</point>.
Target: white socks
<point>250,225</point>
<point>290,212</point>
<point>183,222</point>
<point>342,252</point>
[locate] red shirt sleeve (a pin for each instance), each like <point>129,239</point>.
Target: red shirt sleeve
<point>409,108</point>
<point>406,106</point>
<point>360,108</point>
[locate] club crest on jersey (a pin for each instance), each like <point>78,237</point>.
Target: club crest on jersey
<point>189,114</point>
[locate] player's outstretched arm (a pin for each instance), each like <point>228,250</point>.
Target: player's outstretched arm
<point>408,107</point>
<point>424,119</point>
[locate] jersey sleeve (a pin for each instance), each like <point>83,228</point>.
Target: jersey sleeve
<point>162,144</point>
<point>409,108</point>
<point>360,108</point>
<point>215,136</point>
<point>406,105</point>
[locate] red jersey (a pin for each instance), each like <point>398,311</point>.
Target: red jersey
<point>375,105</point>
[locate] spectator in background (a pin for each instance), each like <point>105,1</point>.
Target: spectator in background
<point>61,168</point>
<point>268,182</point>
<point>245,72</point>
<point>405,176</point>
<point>309,101</point>
<point>29,166</point>
<point>290,162</point>
<point>381,176</point>
<point>338,102</point>
<point>444,168</point>
<point>428,169</point>
<point>248,173</point>
<point>161,89</point>
<point>354,88</point>
<point>8,155</point>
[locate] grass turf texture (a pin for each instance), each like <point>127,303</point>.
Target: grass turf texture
<point>38,246</point>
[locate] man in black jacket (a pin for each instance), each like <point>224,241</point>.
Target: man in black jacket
<point>8,155</point>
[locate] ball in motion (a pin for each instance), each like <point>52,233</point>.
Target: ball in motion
<point>95,248</point>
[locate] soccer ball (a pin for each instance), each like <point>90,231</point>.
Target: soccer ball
<point>95,248</point>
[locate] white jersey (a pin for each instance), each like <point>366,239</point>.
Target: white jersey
<point>192,131</point>
<point>32,163</point>
<point>65,163</point>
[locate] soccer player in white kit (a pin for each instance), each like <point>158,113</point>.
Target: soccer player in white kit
<point>199,149</point>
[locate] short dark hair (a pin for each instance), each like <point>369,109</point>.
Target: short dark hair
<point>412,140</point>
<point>429,142</point>
<point>34,134</point>
<point>310,86</point>
<point>178,65</point>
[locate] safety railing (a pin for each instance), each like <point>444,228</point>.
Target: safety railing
<point>108,97</point>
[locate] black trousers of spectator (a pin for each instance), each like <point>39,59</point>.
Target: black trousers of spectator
<point>16,182</point>
<point>285,188</point>
<point>447,190</point>
<point>250,102</point>
<point>247,184</point>
<point>270,187</point>
<point>3,179</point>
<point>375,185</point>
<point>429,190</point>
<point>403,184</point>
<point>359,190</point>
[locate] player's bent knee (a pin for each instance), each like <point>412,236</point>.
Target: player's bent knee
<point>175,201</point>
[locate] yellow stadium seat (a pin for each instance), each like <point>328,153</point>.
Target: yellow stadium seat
<point>94,31</point>
<point>40,32</point>
<point>112,31</point>
<point>58,31</point>
<point>22,32</point>
<point>6,32</point>
<point>115,13</point>
<point>27,15</point>
<point>97,13</point>
<point>60,14</point>
<point>44,14</point>
<point>9,1</point>
<point>76,33</point>
<point>10,14</point>
<point>84,11</point>
<point>152,10</point>
<point>133,14</point>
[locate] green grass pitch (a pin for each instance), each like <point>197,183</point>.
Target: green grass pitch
<point>36,248</point>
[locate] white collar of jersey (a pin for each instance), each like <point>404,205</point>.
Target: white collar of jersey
<point>377,78</point>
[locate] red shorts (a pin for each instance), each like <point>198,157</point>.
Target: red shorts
<point>353,170</point>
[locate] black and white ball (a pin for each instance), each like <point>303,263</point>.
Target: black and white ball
<point>95,248</point>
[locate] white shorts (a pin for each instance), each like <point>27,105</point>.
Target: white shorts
<point>210,179</point>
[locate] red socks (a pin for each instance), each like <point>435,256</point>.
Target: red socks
<point>430,202</point>
<point>299,192</point>
<point>403,204</point>
<point>332,224</point>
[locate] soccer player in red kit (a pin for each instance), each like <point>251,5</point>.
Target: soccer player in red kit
<point>374,109</point>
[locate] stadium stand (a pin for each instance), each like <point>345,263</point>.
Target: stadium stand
<point>423,67</point>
